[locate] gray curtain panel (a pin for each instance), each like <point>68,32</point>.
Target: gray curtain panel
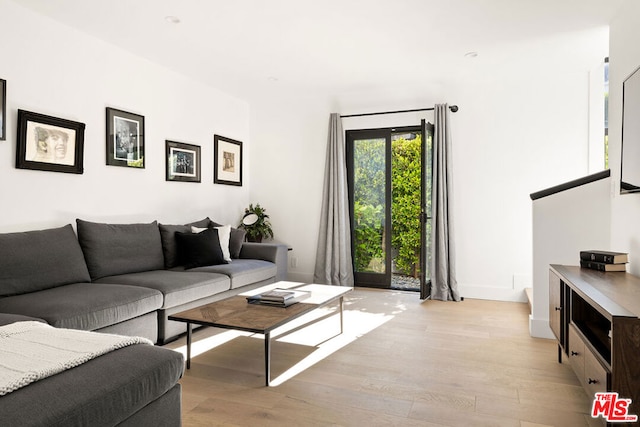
<point>333,258</point>
<point>444,286</point>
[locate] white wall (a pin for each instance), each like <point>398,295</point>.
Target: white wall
<point>564,224</point>
<point>624,58</point>
<point>523,126</point>
<point>289,134</point>
<point>55,70</point>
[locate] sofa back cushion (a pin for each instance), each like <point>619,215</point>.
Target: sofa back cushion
<point>35,260</point>
<point>112,249</point>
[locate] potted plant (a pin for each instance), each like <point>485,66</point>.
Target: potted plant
<point>256,223</point>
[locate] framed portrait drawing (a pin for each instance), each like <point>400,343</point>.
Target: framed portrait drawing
<point>183,162</point>
<point>227,161</point>
<point>125,139</point>
<point>3,110</point>
<point>49,143</point>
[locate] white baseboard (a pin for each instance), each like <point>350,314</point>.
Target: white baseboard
<point>494,294</point>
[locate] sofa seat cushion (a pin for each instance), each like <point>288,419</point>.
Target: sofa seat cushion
<point>243,272</point>
<point>40,259</point>
<point>86,306</point>
<point>104,391</point>
<point>177,287</point>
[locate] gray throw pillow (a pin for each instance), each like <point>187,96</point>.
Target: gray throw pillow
<point>35,260</point>
<point>112,249</point>
<point>235,242</point>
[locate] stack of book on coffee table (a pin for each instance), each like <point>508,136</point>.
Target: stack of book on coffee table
<point>279,297</point>
<point>604,260</point>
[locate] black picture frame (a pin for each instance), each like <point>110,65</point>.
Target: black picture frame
<point>183,162</point>
<point>3,110</point>
<point>227,161</point>
<point>125,139</point>
<point>49,143</point>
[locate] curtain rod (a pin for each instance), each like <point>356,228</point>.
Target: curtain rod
<point>453,109</point>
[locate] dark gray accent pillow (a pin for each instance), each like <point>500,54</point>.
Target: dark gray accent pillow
<point>235,239</point>
<point>235,242</point>
<point>199,249</point>
<point>169,245</point>
<point>112,249</point>
<point>41,259</point>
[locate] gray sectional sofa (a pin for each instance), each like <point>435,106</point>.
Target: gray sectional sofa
<point>124,279</point>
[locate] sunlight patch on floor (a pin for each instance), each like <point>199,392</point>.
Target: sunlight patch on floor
<point>356,324</point>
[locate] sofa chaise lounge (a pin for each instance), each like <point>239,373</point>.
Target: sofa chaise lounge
<point>133,386</point>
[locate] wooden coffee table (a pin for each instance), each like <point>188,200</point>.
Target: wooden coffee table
<point>236,313</point>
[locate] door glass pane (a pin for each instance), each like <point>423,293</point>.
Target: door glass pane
<point>406,180</point>
<point>369,183</point>
<point>428,146</point>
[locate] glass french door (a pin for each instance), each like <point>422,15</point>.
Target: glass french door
<point>369,169</point>
<point>387,193</point>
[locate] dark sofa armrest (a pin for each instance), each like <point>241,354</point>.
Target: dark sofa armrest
<point>7,319</point>
<point>274,252</point>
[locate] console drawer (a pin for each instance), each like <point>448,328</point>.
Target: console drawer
<point>576,352</point>
<point>596,376</point>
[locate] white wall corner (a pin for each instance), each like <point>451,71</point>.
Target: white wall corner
<point>539,328</point>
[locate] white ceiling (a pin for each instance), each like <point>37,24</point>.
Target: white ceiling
<point>242,46</point>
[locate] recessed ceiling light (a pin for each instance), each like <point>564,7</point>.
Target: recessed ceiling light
<point>273,79</point>
<point>172,19</point>
<point>471,54</point>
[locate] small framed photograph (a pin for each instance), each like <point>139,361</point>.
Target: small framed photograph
<point>227,161</point>
<point>125,139</point>
<point>3,110</point>
<point>183,162</point>
<point>49,143</point>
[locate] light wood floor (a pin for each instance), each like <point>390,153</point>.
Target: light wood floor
<point>400,362</point>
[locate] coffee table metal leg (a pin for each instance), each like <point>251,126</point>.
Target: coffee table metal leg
<point>267,358</point>
<point>188,345</point>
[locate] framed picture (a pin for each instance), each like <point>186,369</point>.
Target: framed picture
<point>227,160</point>
<point>183,162</point>
<point>3,110</point>
<point>49,143</point>
<point>125,139</point>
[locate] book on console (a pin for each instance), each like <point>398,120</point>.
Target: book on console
<point>606,257</point>
<point>279,297</point>
<point>602,266</point>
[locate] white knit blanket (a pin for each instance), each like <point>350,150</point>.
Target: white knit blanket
<point>31,351</point>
